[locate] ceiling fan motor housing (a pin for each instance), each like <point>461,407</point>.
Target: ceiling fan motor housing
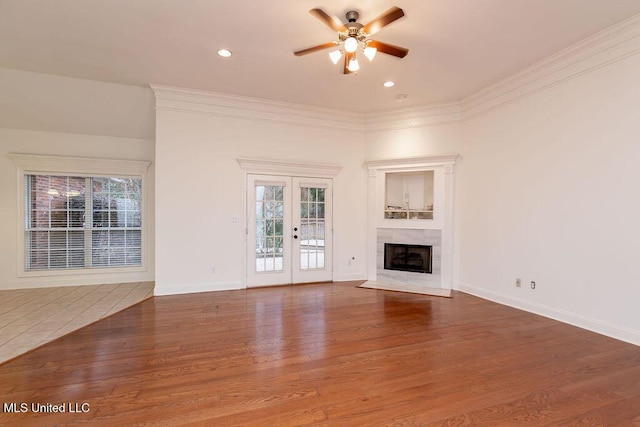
<point>352,28</point>
<point>352,16</point>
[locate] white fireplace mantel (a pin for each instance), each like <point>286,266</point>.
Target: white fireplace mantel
<point>443,167</point>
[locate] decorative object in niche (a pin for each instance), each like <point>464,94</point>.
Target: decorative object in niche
<point>409,195</point>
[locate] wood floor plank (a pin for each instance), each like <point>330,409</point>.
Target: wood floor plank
<point>326,355</point>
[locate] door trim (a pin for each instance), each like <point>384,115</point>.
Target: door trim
<point>289,168</point>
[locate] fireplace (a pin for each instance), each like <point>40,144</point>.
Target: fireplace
<point>413,258</point>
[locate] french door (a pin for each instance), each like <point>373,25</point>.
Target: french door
<point>289,230</point>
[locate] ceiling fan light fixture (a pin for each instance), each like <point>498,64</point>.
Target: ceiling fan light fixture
<point>335,56</point>
<point>353,65</point>
<point>352,36</point>
<point>350,44</point>
<point>370,52</point>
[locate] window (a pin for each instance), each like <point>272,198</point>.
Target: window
<point>76,222</point>
<point>81,215</point>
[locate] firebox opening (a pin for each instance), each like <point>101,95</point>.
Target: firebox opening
<point>413,258</point>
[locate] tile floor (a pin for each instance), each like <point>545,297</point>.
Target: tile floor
<point>32,317</point>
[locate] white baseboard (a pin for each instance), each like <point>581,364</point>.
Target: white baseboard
<point>181,288</point>
<point>80,279</point>
<point>604,328</point>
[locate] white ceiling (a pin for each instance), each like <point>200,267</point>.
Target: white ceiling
<point>456,47</point>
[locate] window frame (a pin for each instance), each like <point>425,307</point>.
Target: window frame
<point>28,164</point>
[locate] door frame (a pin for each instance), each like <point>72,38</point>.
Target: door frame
<point>251,166</point>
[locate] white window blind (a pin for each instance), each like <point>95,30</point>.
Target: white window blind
<point>74,222</point>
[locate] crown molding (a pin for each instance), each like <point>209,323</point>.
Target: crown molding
<point>429,115</point>
<point>611,45</point>
<point>170,98</point>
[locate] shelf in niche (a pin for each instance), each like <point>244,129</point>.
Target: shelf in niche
<point>408,214</point>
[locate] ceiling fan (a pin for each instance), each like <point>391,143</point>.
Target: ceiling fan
<point>353,35</point>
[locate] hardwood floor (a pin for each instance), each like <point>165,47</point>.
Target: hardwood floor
<point>32,317</point>
<point>326,355</point>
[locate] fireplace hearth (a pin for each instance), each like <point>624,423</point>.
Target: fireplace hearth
<point>412,258</point>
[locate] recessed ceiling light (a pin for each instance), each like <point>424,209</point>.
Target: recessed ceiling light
<point>225,53</point>
<point>388,84</point>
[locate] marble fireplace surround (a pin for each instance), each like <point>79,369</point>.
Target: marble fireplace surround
<point>437,233</point>
<point>409,236</point>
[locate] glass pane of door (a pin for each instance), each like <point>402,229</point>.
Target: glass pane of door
<point>312,228</point>
<point>269,220</point>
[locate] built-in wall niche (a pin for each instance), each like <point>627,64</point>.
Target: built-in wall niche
<point>409,195</point>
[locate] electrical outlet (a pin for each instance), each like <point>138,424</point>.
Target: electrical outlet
<point>518,283</point>
<point>533,284</point>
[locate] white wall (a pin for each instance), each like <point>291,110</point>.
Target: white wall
<point>413,142</point>
<point>35,101</point>
<point>62,144</point>
<point>200,187</point>
<point>548,192</point>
